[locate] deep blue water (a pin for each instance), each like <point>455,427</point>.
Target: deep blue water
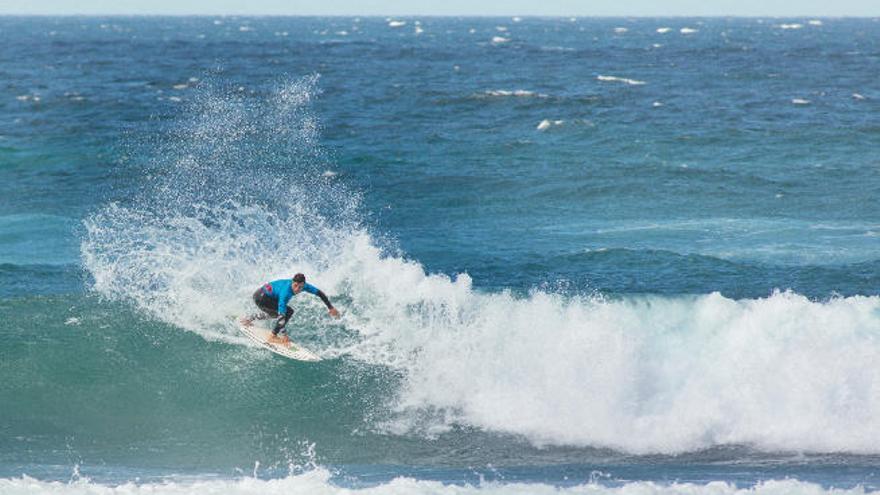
<point>568,251</point>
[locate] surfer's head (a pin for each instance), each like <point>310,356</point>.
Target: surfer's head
<point>298,281</point>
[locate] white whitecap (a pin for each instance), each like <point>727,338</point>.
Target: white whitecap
<point>547,123</point>
<point>632,82</point>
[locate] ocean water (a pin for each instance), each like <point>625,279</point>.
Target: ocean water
<point>573,255</point>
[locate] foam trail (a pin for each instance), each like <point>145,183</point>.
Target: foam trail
<point>318,482</point>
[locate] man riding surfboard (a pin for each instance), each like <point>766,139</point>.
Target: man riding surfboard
<point>272,299</point>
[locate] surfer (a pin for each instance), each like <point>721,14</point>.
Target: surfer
<point>272,299</point>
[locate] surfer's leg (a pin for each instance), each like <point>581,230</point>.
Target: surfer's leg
<point>281,323</point>
<point>266,304</point>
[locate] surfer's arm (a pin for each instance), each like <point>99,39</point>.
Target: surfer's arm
<point>311,289</point>
<point>325,299</point>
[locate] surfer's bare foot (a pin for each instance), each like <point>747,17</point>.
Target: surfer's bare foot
<point>275,339</point>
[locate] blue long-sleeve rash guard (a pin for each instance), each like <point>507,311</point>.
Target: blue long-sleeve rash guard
<point>283,290</point>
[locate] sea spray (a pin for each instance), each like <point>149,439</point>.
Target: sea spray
<point>235,197</point>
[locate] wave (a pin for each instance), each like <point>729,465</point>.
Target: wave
<point>242,198</point>
<point>319,481</point>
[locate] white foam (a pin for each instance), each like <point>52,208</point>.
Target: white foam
<point>815,22</point>
<point>547,123</point>
<point>663,30</point>
<point>319,482</point>
<point>640,374</point>
<point>396,24</point>
<point>497,40</point>
<point>624,80</point>
<point>790,26</point>
<point>620,30</point>
<point>800,101</point>
<point>520,93</point>
<point>858,96</point>
<point>687,30</point>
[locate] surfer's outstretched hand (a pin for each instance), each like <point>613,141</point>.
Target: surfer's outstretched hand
<point>333,312</point>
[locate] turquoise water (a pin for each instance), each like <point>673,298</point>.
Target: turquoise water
<point>592,255</point>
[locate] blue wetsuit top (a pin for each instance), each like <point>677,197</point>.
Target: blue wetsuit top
<point>283,291</point>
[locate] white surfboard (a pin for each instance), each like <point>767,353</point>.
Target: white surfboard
<point>290,349</point>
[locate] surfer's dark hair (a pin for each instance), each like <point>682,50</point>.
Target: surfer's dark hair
<point>299,278</point>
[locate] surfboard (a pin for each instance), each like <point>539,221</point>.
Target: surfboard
<point>291,349</point>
